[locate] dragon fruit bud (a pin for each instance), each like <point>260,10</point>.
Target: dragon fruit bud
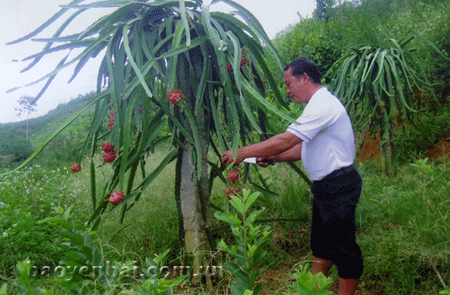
<point>175,96</point>
<point>232,190</point>
<point>111,123</point>
<point>107,147</point>
<point>116,197</point>
<point>243,61</point>
<point>109,157</point>
<point>229,69</point>
<point>234,176</point>
<point>76,168</point>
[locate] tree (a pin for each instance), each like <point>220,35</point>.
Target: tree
<point>216,71</point>
<point>14,145</point>
<point>323,9</point>
<point>27,105</point>
<point>373,81</point>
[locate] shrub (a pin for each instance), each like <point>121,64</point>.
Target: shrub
<point>15,145</point>
<point>413,142</point>
<point>320,41</point>
<point>26,198</point>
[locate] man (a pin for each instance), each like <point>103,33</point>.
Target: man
<point>324,141</point>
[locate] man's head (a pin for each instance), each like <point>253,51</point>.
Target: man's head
<point>302,78</point>
<point>304,65</point>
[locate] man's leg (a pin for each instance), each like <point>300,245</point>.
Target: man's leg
<point>347,286</point>
<point>321,265</point>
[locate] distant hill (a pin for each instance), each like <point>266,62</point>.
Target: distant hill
<point>63,110</point>
<point>15,148</point>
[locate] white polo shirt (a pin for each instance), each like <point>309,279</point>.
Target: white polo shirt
<point>327,133</point>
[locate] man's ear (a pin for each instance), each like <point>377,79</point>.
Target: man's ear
<point>305,75</point>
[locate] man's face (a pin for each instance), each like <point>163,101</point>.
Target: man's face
<point>296,87</point>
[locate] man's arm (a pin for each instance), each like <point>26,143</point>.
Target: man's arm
<point>270,147</point>
<point>291,155</point>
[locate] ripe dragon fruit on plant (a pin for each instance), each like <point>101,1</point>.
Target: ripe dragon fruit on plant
<point>229,69</point>
<point>232,190</point>
<point>234,175</point>
<point>175,96</point>
<point>107,147</point>
<point>76,168</point>
<point>109,157</point>
<point>243,61</point>
<point>116,197</point>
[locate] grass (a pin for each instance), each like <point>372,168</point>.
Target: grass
<point>403,223</point>
<point>25,198</point>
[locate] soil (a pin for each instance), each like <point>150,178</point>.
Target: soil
<point>442,149</point>
<point>370,149</point>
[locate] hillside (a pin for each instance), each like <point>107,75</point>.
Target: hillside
<point>14,148</point>
<point>60,112</point>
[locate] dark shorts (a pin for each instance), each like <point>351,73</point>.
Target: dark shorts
<point>333,229</point>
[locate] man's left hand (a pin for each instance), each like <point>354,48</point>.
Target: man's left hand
<point>227,158</point>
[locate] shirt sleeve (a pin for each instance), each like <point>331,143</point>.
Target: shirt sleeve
<point>314,119</point>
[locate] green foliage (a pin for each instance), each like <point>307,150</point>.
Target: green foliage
<point>250,239</point>
<point>403,230</point>
<point>372,82</point>
<point>25,105</point>
<point>152,48</point>
<point>323,9</point>
<point>93,275</point>
<point>25,269</point>
<point>305,283</point>
<point>320,41</point>
<point>402,226</point>
<point>426,21</point>
<point>63,150</point>
<point>25,198</point>
<point>14,146</point>
<point>368,79</point>
<point>371,23</point>
<point>412,142</point>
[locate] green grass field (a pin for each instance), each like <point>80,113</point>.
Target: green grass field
<point>403,224</point>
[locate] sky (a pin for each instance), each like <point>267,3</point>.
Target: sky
<point>20,17</point>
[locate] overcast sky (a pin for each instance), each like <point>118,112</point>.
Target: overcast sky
<point>20,17</point>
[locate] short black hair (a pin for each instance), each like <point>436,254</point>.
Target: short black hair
<point>304,65</point>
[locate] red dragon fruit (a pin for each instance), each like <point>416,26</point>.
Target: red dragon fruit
<point>116,197</point>
<point>76,168</point>
<point>243,61</point>
<point>109,157</point>
<point>175,96</point>
<point>229,69</point>
<point>232,190</point>
<point>107,147</point>
<point>234,175</point>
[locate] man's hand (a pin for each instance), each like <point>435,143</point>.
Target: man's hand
<point>227,158</point>
<point>264,162</point>
<point>266,149</point>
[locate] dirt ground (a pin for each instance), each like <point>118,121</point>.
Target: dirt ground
<point>370,149</point>
<point>442,149</point>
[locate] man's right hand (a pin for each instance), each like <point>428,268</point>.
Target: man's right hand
<point>264,162</point>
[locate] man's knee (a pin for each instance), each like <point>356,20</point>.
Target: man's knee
<point>350,269</point>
